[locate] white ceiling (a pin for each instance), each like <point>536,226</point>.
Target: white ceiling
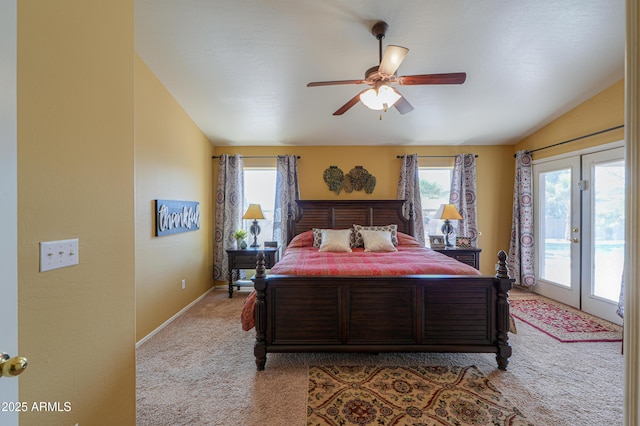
<point>240,68</point>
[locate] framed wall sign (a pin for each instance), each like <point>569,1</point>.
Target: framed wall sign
<point>173,217</point>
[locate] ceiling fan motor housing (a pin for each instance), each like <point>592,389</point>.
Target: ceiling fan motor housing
<point>370,72</point>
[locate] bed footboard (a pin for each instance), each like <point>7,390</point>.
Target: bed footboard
<point>418,313</point>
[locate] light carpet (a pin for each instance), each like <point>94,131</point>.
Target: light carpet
<point>562,322</point>
<point>406,395</point>
<point>200,370</point>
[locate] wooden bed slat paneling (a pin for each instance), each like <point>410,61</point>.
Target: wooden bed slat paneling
<point>382,315</point>
<point>303,312</point>
<point>343,214</point>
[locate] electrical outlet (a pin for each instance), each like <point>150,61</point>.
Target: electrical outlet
<point>184,283</point>
<point>58,254</point>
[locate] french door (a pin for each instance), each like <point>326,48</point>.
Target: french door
<point>603,243</point>
<point>580,230</point>
<point>557,223</point>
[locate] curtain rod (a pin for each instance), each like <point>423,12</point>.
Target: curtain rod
<point>610,129</point>
<point>435,156</point>
<point>260,156</point>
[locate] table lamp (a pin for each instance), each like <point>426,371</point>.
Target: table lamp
<point>447,212</point>
<point>254,212</point>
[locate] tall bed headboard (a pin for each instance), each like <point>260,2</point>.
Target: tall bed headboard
<point>342,214</point>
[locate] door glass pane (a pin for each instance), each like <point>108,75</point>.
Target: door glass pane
<point>608,228</point>
<point>555,226</point>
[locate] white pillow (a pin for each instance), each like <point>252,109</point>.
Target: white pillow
<point>338,240</point>
<point>377,241</point>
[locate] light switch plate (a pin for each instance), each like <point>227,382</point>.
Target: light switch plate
<point>58,254</point>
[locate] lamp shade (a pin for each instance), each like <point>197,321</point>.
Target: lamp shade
<point>447,211</point>
<point>381,97</point>
<point>253,212</point>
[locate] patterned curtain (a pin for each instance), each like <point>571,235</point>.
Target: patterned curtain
<point>409,190</point>
<point>522,248</point>
<point>287,192</point>
<point>463,196</point>
<point>229,204</point>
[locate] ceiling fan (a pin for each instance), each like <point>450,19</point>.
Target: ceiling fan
<point>382,95</point>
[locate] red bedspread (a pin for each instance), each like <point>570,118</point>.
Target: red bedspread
<point>302,259</point>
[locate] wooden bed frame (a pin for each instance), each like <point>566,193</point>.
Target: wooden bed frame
<point>414,313</point>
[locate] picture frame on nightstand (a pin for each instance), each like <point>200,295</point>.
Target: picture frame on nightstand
<point>463,242</point>
<point>436,241</point>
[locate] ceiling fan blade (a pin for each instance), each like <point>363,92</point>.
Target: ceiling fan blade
<point>344,108</point>
<point>450,78</point>
<point>393,57</point>
<point>332,83</point>
<point>402,105</point>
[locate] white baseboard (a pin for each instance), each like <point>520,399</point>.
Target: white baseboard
<point>167,322</point>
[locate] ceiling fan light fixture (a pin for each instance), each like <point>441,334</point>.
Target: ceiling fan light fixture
<point>382,97</point>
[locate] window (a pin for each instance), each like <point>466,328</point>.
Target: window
<point>260,188</point>
<point>435,185</point>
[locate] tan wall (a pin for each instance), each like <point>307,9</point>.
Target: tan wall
<point>76,180</point>
<point>495,171</point>
<point>603,111</point>
<point>173,162</point>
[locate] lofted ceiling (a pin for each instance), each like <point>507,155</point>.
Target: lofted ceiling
<point>240,68</point>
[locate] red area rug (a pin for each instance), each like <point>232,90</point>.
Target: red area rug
<point>563,322</point>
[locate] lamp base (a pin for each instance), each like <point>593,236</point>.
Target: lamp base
<point>447,229</point>
<point>255,231</point>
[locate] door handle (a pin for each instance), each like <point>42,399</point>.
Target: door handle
<point>11,367</point>
<point>575,240</point>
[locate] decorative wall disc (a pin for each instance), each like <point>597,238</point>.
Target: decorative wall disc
<point>358,179</point>
<point>334,178</point>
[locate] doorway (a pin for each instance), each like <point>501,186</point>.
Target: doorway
<point>9,200</point>
<point>580,230</point>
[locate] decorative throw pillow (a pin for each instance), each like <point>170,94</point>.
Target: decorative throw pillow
<point>317,236</point>
<point>377,241</point>
<point>358,235</point>
<point>337,240</point>
<point>408,240</point>
<point>302,240</point>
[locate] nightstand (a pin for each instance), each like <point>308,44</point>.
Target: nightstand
<point>470,256</point>
<point>246,259</point>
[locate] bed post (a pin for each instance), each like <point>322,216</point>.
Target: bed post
<point>260,314</point>
<point>504,285</point>
<point>289,224</point>
<point>412,224</point>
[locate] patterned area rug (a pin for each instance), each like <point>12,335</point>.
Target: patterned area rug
<point>417,396</point>
<point>563,322</point>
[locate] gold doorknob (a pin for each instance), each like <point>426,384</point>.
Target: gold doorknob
<point>10,367</point>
